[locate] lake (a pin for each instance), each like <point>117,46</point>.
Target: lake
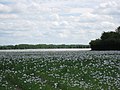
<point>31,50</point>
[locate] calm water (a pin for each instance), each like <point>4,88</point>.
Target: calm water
<point>30,50</point>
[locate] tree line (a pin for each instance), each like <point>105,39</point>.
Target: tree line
<point>108,41</point>
<point>41,46</point>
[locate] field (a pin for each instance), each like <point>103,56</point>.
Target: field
<point>60,70</point>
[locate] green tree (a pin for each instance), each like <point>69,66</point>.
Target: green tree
<point>110,35</point>
<point>107,41</point>
<point>118,30</point>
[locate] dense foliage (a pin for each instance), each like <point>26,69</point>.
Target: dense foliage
<point>64,70</point>
<point>108,41</point>
<point>41,46</point>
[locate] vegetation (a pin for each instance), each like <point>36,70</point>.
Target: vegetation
<point>75,70</point>
<point>42,46</point>
<point>108,41</point>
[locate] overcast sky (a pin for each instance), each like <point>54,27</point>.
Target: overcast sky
<point>56,21</point>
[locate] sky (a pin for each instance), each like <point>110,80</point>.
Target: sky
<point>56,21</point>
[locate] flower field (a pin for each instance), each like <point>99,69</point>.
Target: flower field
<point>60,70</point>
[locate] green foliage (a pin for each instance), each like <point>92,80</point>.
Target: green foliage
<point>108,41</point>
<point>118,30</point>
<point>83,70</point>
<point>41,46</point>
<point>110,35</point>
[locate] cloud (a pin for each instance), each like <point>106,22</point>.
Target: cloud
<point>8,16</point>
<point>4,8</point>
<point>56,21</point>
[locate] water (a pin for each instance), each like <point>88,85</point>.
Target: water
<point>31,50</point>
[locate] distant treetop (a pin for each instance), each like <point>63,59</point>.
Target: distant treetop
<point>118,29</point>
<point>108,41</point>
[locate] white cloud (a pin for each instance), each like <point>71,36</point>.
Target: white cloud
<point>109,4</point>
<point>56,21</point>
<point>4,8</point>
<point>65,34</point>
<point>8,16</point>
<point>55,17</point>
<point>80,10</point>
